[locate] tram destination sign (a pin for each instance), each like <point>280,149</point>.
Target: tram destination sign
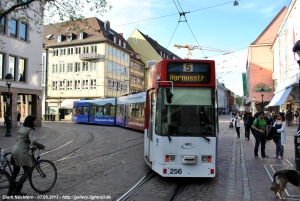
<point>189,72</point>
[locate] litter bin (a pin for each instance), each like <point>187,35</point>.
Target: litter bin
<point>44,117</point>
<point>297,150</point>
<point>53,117</point>
<point>47,117</point>
<point>50,117</point>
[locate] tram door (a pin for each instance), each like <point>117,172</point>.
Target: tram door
<point>126,114</point>
<point>151,126</point>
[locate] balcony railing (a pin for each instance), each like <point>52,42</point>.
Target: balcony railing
<point>293,80</point>
<point>90,56</point>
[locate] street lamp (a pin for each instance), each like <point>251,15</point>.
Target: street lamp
<point>262,90</point>
<point>9,78</point>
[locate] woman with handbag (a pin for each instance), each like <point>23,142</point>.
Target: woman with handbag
<point>280,137</point>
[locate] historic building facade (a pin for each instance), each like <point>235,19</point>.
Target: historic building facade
<point>20,55</point>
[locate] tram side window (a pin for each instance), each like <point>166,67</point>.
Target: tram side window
<point>77,110</point>
<point>84,111</point>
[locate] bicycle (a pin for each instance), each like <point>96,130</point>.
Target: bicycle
<point>42,178</point>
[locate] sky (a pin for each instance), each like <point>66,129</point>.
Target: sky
<point>216,24</point>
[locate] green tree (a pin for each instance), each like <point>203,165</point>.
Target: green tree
<point>238,100</point>
<point>54,9</point>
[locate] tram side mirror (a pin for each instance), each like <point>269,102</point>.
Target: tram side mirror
<point>169,95</point>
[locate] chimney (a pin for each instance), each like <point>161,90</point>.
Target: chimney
<point>107,24</point>
<point>121,34</point>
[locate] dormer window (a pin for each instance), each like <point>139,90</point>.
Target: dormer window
<point>80,35</point>
<point>70,37</point>
<point>161,53</point>
<point>58,38</point>
<point>49,36</point>
<point>120,42</point>
<point>124,44</point>
<point>115,39</point>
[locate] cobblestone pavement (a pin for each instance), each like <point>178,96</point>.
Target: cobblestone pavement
<point>106,161</point>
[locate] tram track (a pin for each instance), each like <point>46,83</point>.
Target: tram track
<point>175,190</point>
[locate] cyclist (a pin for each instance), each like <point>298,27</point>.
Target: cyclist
<point>20,153</point>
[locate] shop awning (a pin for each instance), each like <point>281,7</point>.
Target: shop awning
<point>68,103</point>
<point>280,97</point>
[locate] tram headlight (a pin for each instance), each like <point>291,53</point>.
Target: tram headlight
<point>170,158</point>
<point>206,159</point>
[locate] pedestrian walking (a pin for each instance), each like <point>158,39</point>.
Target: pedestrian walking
<point>260,126</point>
<point>280,136</point>
<point>289,117</point>
<point>20,153</point>
<point>237,123</point>
<point>248,123</point>
<point>19,118</point>
<point>296,116</point>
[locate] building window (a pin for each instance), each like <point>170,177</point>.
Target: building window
<point>135,40</point>
<point>110,50</point>
<point>13,28</point>
<point>80,35</point>
<point>70,51</point>
<point>62,85</point>
<point>93,65</point>
<point>62,68</point>
<point>94,49</point>
<point>118,54</point>
<point>58,39</point>
<point>12,65</point>
<point>109,66</point>
<point>54,85</point>
<point>70,67</point>
<point>115,39</point>
<point>22,70</point>
<point>114,85</point>
<point>120,42</point>
<point>124,44</point>
<point>85,49</point>
<point>93,84</point>
<point>109,85</point>
<point>3,25</point>
<point>54,68</point>
<point>85,84</point>
<point>85,66</point>
<point>77,85</point>
<point>23,31</point>
<point>63,51</point>
<point>69,85</point>
<point>77,50</point>
<point>55,52</point>
<point>114,52</point>
<point>77,67</point>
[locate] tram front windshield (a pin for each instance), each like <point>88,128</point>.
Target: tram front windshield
<point>189,112</point>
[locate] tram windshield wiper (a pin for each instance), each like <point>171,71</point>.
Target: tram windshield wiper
<point>206,138</point>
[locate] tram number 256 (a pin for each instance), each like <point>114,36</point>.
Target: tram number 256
<point>175,171</point>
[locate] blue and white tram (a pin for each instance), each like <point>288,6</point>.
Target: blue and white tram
<point>181,124</point>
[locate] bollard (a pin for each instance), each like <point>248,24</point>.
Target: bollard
<point>297,150</point>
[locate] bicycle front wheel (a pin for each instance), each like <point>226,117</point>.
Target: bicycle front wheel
<point>43,176</point>
<point>5,183</point>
